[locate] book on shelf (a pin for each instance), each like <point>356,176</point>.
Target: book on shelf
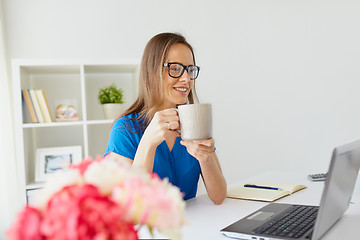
<point>36,106</point>
<point>263,191</point>
<point>40,95</point>
<point>29,105</point>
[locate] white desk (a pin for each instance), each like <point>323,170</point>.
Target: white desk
<point>205,219</point>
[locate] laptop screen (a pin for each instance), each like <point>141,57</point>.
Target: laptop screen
<point>339,186</point>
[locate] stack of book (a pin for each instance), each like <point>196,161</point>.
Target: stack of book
<point>37,105</point>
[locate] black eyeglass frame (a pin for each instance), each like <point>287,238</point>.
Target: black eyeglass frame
<point>183,70</point>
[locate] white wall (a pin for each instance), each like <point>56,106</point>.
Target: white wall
<point>8,177</point>
<point>282,75</point>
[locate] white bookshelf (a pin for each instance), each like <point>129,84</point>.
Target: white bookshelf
<point>66,79</point>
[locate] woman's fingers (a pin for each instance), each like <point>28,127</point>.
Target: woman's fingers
<point>173,125</point>
<point>169,112</point>
<point>200,145</point>
<point>162,126</point>
<point>168,119</point>
<point>208,142</point>
<point>167,115</point>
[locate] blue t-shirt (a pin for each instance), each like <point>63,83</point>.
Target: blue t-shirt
<point>182,169</point>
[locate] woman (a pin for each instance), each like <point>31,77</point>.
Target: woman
<point>145,134</point>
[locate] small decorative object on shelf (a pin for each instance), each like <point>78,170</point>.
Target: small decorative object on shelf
<point>104,198</point>
<point>49,160</point>
<point>111,99</point>
<point>66,110</point>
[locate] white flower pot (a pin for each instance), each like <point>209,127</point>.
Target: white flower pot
<point>112,110</point>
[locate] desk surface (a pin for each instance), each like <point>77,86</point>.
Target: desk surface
<point>205,219</point>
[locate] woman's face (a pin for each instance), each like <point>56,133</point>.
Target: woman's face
<point>176,90</point>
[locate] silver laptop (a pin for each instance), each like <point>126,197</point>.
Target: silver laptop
<point>289,221</point>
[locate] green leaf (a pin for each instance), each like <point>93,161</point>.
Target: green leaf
<point>110,94</point>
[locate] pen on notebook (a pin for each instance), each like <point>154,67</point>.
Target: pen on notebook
<point>262,187</point>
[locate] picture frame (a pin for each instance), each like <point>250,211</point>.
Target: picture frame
<point>49,160</point>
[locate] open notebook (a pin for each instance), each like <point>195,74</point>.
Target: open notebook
<point>262,191</point>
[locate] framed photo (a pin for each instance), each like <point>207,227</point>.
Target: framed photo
<point>49,160</point>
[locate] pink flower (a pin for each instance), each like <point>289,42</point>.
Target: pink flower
<point>101,199</point>
<point>155,203</point>
<point>27,225</point>
<point>154,175</point>
<point>85,163</point>
<point>82,167</point>
<point>81,213</point>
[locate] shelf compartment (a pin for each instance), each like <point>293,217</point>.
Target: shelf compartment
<point>35,138</point>
<point>59,83</point>
<point>96,77</point>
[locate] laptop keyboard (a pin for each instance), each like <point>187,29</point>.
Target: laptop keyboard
<point>294,223</point>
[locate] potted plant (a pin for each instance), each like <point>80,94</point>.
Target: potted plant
<point>111,99</point>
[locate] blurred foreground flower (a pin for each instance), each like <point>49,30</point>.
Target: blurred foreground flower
<point>101,199</point>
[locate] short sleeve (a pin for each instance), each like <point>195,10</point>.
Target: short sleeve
<point>123,140</point>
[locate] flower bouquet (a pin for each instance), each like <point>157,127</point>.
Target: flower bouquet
<point>102,199</point>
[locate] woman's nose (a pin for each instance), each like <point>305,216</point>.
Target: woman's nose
<point>185,77</point>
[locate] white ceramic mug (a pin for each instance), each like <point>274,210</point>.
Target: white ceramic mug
<point>195,121</point>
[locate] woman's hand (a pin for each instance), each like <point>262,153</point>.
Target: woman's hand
<point>202,150</point>
<point>163,125</point>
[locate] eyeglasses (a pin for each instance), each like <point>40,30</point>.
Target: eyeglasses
<point>176,70</point>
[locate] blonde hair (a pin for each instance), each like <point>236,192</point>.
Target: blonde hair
<point>151,93</point>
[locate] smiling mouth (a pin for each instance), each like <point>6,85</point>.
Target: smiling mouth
<point>181,89</point>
